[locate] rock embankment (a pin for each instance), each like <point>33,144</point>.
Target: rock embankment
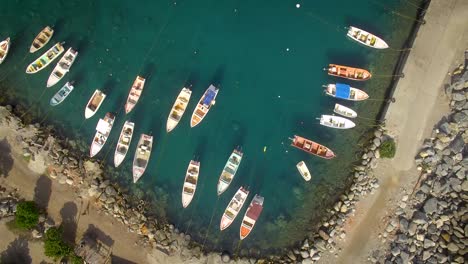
<point>431,224</point>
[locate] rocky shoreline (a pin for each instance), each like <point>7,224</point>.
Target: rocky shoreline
<point>430,224</point>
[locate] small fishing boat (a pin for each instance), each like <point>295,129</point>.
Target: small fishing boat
<point>346,92</point>
<point>190,182</point>
<point>41,39</point>
<point>124,142</point>
<point>235,205</point>
<point>303,170</point>
<point>312,147</point>
<point>251,216</point>
<point>103,129</point>
<point>204,105</point>
<point>94,103</point>
<point>229,171</point>
<point>62,94</point>
<point>45,59</point>
<point>142,156</point>
<point>336,122</point>
<point>344,111</point>
<point>135,93</point>
<point>62,67</point>
<point>178,109</point>
<point>348,72</point>
<point>366,38</point>
<point>4,47</point>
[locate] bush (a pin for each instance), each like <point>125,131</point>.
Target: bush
<point>387,149</point>
<point>74,259</point>
<point>27,215</point>
<point>54,246</point>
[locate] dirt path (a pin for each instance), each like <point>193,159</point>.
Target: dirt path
<point>420,103</point>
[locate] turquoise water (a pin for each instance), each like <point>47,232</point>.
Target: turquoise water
<point>267,58</point>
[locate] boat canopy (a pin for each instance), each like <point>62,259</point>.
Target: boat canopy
<point>209,97</point>
<point>342,90</point>
<point>102,126</point>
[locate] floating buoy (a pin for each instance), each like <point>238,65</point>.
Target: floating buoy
<point>264,149</point>
<point>298,5</point>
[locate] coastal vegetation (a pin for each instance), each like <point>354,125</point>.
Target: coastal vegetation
<point>55,247</point>
<point>388,149</point>
<point>27,215</point>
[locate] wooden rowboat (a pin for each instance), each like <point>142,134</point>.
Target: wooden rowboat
<point>190,183</point>
<point>366,38</point>
<point>45,59</point>
<point>178,109</point>
<point>94,103</point>
<point>123,144</point>
<point>346,92</point>
<point>41,39</point>
<point>4,48</point>
<point>251,216</point>
<point>135,93</point>
<point>337,122</point>
<point>103,129</point>
<point>142,156</point>
<point>62,67</point>
<point>303,170</point>
<point>233,208</point>
<point>312,147</point>
<point>204,105</point>
<point>348,72</point>
<point>344,111</point>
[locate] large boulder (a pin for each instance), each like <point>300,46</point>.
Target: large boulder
<point>430,206</point>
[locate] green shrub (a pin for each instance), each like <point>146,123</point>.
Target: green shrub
<point>54,246</point>
<point>27,215</point>
<point>387,149</point>
<point>74,259</point>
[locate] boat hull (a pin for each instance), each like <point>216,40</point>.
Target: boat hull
<point>66,61</point>
<point>202,108</point>
<point>62,94</point>
<point>4,48</point>
<point>336,122</point>
<point>251,216</point>
<point>347,72</point>
<point>190,183</point>
<point>89,112</point>
<point>145,143</point>
<point>358,95</point>
<point>303,170</point>
<point>119,156</point>
<point>41,39</point>
<point>134,94</point>
<point>45,59</point>
<point>233,208</point>
<point>312,147</point>
<point>365,38</point>
<point>179,108</point>
<point>344,111</point>
<point>229,171</point>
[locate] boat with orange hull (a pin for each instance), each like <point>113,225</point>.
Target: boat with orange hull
<point>235,205</point>
<point>251,216</point>
<point>355,74</point>
<point>312,147</point>
<point>135,93</point>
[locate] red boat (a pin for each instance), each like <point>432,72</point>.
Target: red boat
<point>251,216</point>
<point>348,72</point>
<point>312,147</point>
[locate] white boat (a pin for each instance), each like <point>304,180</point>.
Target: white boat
<point>94,103</point>
<point>142,156</point>
<point>303,170</point>
<point>62,94</point>
<point>45,59</point>
<point>235,205</point>
<point>366,38</point>
<point>4,48</point>
<point>190,182</point>
<point>103,129</point>
<point>178,109</point>
<point>62,67</point>
<point>124,142</point>
<point>346,92</point>
<point>251,216</point>
<point>344,111</point>
<point>41,39</point>
<point>336,122</point>
<point>204,105</point>
<point>134,94</point>
<point>229,171</point>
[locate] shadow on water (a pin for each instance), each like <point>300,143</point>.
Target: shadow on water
<point>109,85</point>
<point>69,214</point>
<point>200,149</point>
<point>218,76</point>
<point>16,252</point>
<point>240,133</point>
<point>148,70</point>
<point>97,234</point>
<point>81,47</point>
<point>42,191</point>
<point>6,161</point>
<point>57,26</point>
<point>343,57</point>
<point>193,78</point>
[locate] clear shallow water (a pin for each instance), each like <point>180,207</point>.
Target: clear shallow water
<point>267,58</point>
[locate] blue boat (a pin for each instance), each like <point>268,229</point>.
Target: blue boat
<point>204,105</point>
<point>346,92</point>
<point>61,94</point>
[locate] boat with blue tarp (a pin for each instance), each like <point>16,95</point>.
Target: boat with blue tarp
<point>346,92</point>
<point>61,94</point>
<point>204,105</point>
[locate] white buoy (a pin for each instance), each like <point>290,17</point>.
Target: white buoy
<point>298,5</point>
<point>287,49</point>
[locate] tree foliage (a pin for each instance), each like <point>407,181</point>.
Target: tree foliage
<point>54,246</point>
<point>387,149</point>
<point>27,215</point>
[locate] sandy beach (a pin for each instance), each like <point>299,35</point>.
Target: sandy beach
<point>420,103</point>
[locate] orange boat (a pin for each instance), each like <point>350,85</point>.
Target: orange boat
<point>347,72</point>
<point>312,147</point>
<point>251,216</point>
